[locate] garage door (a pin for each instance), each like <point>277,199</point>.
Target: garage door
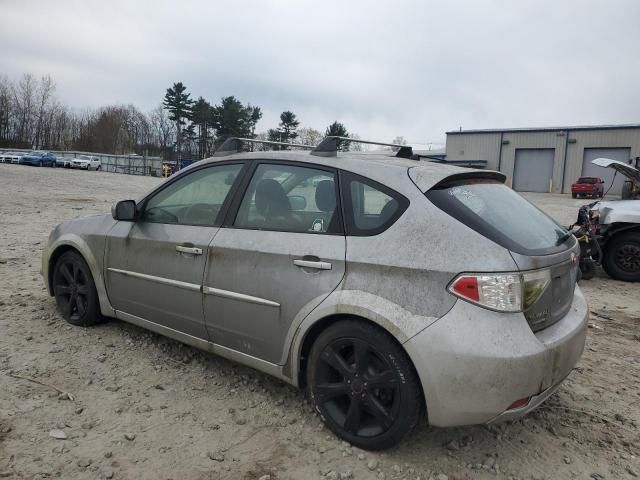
<point>591,170</point>
<point>533,169</point>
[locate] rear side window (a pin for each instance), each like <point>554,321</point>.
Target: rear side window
<point>288,198</point>
<point>371,207</point>
<point>500,214</point>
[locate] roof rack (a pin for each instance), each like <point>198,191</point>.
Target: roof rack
<point>329,147</point>
<point>234,145</point>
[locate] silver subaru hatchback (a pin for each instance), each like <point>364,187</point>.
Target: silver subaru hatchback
<point>389,288</point>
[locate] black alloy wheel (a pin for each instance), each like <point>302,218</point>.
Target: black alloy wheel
<point>622,257</point>
<point>75,291</point>
<point>628,258</point>
<point>363,385</point>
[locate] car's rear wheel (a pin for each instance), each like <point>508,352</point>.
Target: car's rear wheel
<point>622,257</point>
<point>363,385</point>
<point>75,290</point>
<point>40,163</point>
<point>574,195</point>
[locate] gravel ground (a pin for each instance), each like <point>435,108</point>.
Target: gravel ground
<point>132,404</point>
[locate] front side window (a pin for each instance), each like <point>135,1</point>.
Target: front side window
<point>292,199</point>
<point>373,207</point>
<point>195,199</point>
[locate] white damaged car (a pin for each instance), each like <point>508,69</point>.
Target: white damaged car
<point>618,225</point>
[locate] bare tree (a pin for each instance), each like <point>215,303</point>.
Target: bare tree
<point>45,91</point>
<point>5,109</point>
<point>309,136</point>
<point>162,127</point>
<point>24,97</point>
<point>358,147</point>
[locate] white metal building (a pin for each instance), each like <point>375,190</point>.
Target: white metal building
<point>548,159</point>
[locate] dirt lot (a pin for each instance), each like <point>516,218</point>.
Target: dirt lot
<point>146,407</point>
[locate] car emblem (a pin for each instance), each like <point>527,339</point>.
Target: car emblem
<point>574,259</point>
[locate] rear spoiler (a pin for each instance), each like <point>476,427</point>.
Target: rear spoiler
<point>461,177</point>
<point>628,171</point>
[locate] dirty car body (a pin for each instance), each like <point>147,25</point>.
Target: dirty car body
<point>293,247</point>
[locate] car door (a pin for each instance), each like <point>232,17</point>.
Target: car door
<point>154,266</point>
<point>280,252</point>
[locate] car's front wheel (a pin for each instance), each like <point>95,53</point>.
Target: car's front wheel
<point>363,385</point>
<point>75,291</point>
<point>622,257</point>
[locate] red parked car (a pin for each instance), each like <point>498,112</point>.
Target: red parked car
<point>588,186</point>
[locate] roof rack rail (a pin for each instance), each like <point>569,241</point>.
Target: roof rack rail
<point>329,147</point>
<point>234,145</point>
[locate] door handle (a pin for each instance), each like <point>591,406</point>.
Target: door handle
<point>311,264</point>
<point>187,249</point>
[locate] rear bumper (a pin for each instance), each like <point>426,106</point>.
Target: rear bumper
<point>474,363</point>
<point>534,403</point>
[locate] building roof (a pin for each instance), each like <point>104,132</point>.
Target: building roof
<point>432,152</point>
<point>545,129</point>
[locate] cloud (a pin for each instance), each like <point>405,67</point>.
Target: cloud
<point>410,68</point>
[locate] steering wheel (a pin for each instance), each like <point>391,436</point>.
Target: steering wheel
<point>159,213</point>
<point>201,213</point>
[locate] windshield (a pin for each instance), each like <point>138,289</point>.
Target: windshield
<point>500,214</point>
<point>587,180</point>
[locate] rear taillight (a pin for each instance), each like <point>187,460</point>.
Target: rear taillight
<point>504,292</point>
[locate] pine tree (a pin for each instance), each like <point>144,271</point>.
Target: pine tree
<point>288,125</point>
<point>178,102</point>
<point>233,119</point>
<point>337,129</point>
<point>202,117</point>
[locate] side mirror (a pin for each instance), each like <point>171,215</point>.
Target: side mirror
<point>298,202</point>
<point>124,210</point>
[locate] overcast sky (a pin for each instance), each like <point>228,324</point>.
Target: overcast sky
<point>411,68</point>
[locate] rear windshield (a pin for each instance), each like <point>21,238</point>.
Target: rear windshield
<point>500,214</point>
<point>586,180</point>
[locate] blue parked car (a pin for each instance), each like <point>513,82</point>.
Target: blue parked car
<point>39,159</point>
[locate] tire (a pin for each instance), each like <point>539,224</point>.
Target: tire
<point>587,269</point>
<point>341,386</point>
<point>40,163</point>
<point>75,291</point>
<point>574,195</point>
<point>622,257</point>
